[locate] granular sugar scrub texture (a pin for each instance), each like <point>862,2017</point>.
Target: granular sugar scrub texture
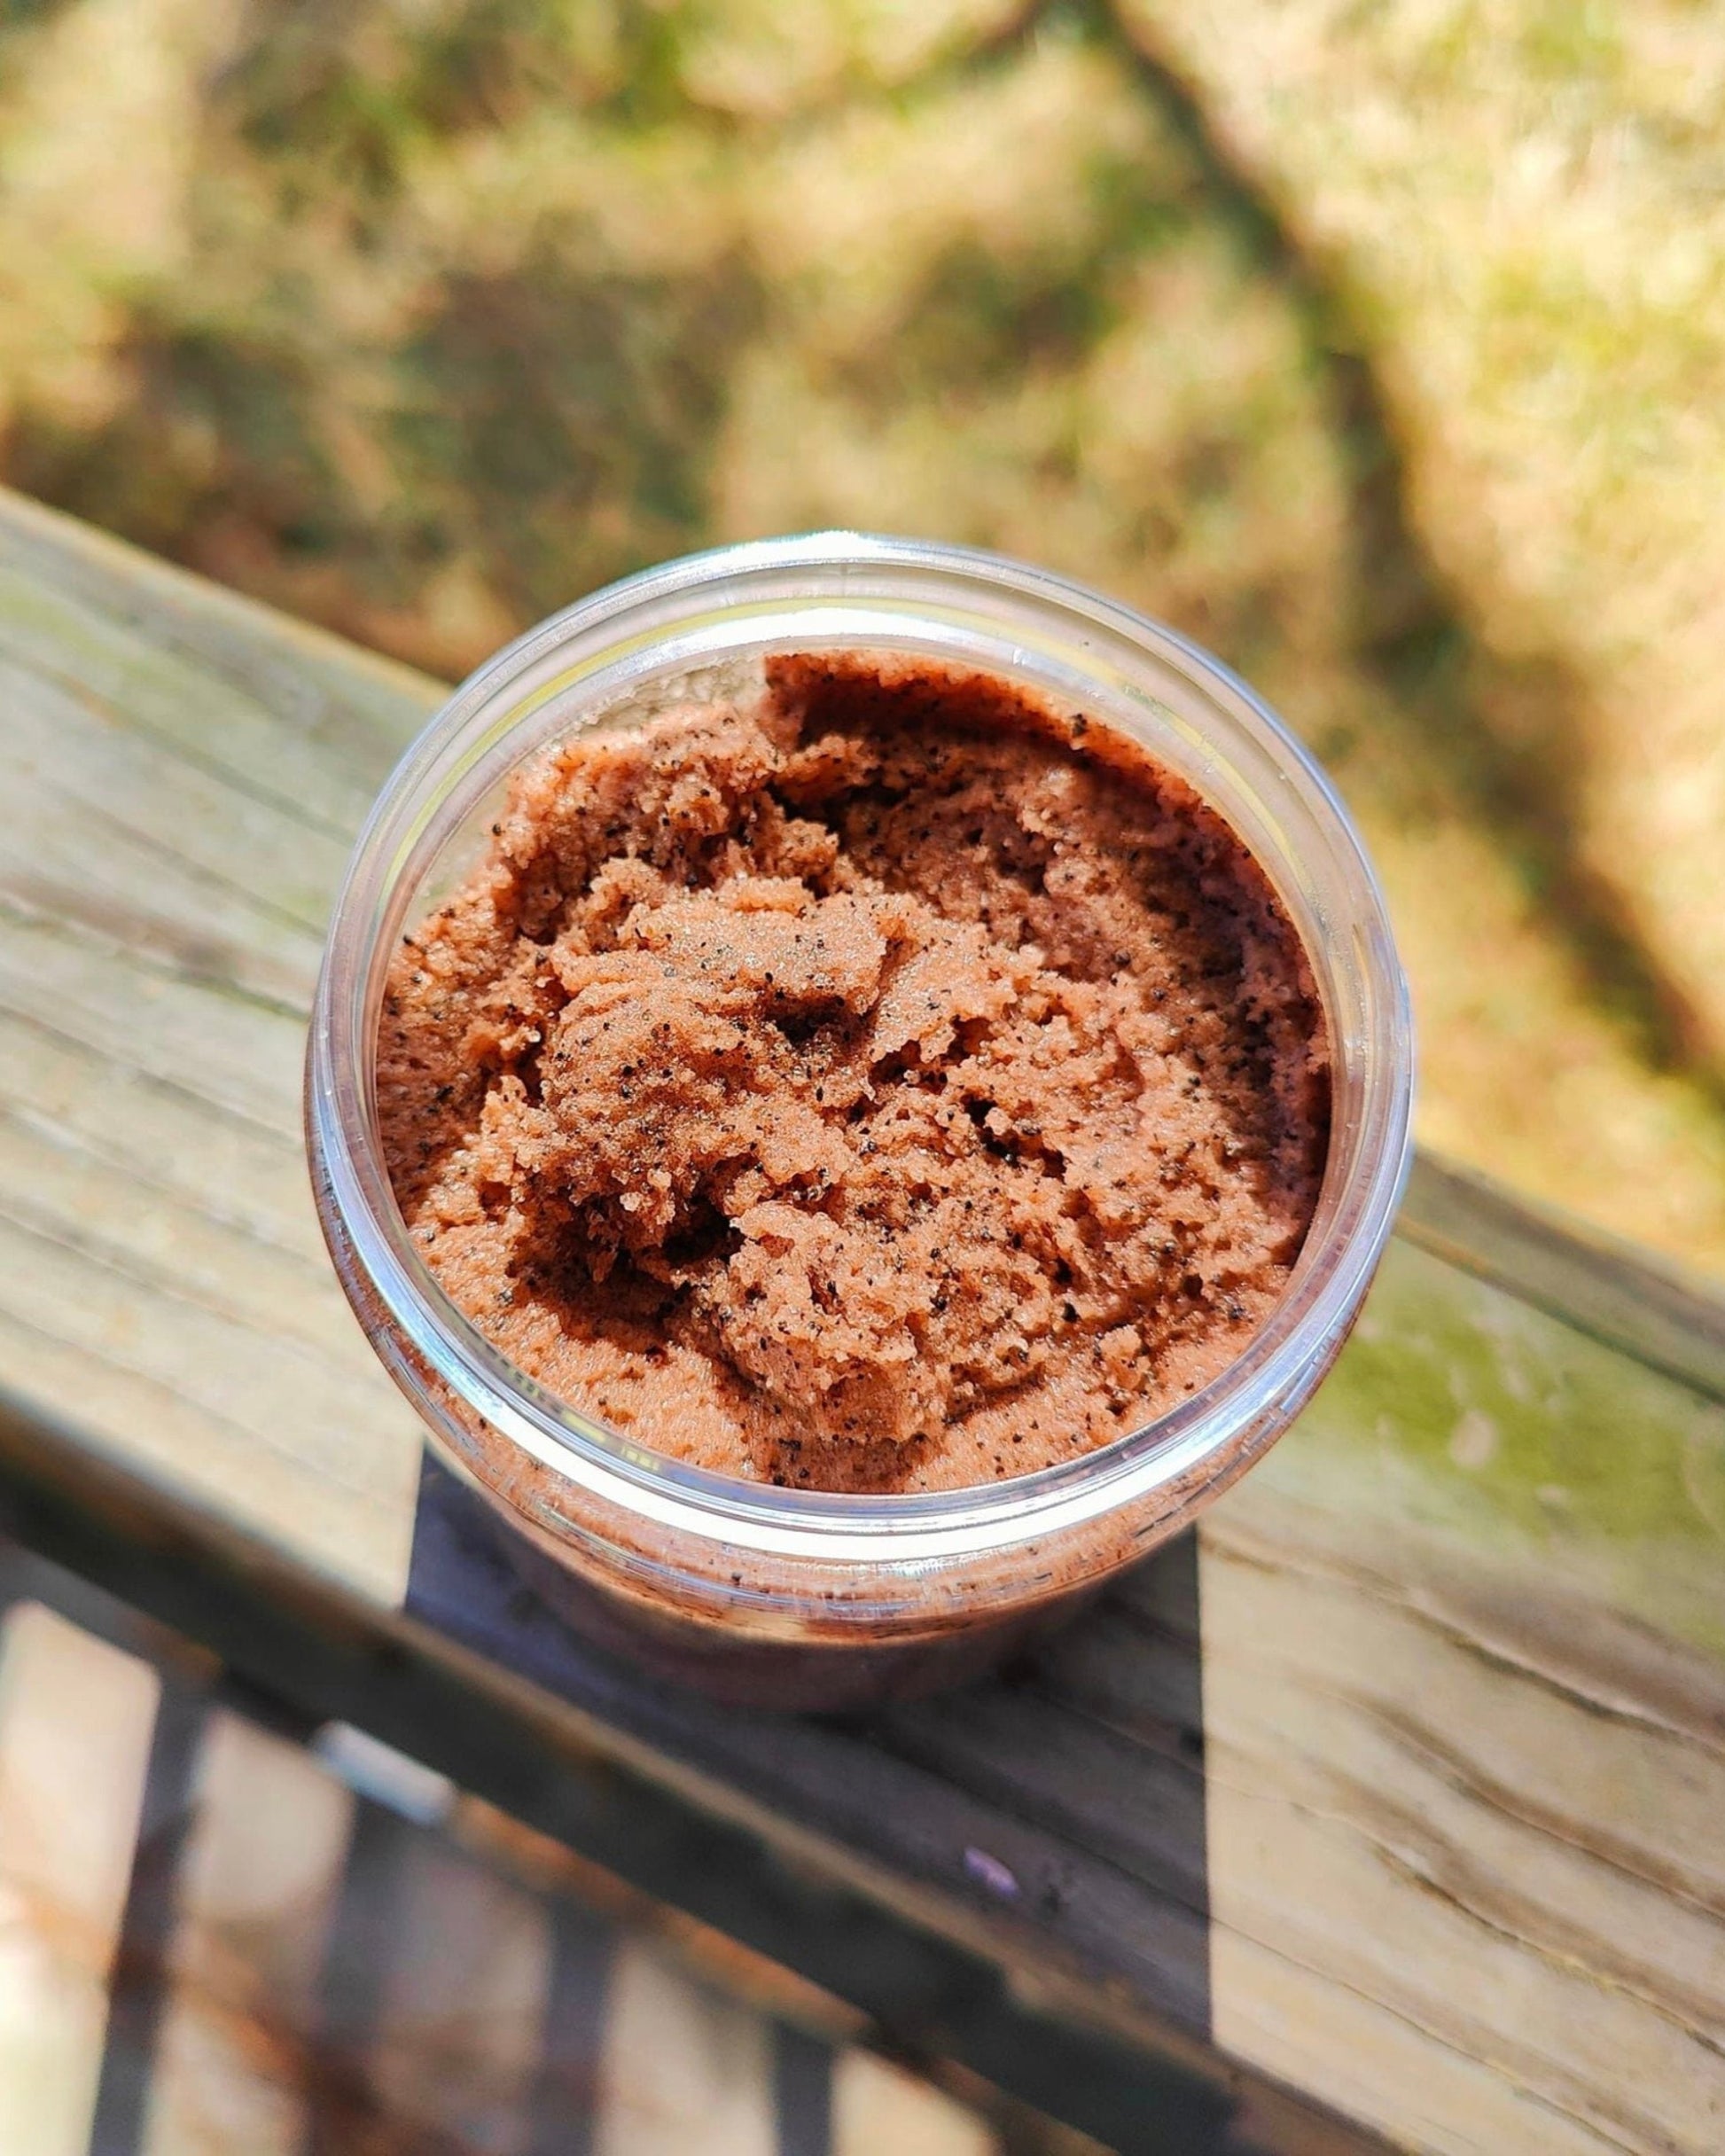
<point>883,1083</point>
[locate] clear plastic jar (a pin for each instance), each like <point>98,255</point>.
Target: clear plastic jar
<point>791,1596</point>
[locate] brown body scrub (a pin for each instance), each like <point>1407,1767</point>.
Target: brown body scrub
<point>886,1085</point>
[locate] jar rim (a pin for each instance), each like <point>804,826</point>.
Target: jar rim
<point>720,600</point>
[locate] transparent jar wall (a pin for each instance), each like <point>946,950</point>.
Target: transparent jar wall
<point>720,1575</point>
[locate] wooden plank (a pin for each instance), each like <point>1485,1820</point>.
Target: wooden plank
<point>459,2028</point>
<point>1432,1855</point>
<point>75,1716</point>
<point>262,1866</point>
<point>1436,1831</point>
<point>184,774</point>
<point>876,2106</point>
<point>683,2066</point>
<point>1465,1710</point>
<point>1652,1310</point>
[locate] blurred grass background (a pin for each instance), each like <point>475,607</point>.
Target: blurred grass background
<point>1379,344</point>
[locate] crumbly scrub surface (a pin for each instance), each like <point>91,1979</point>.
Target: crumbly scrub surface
<point>886,1084</point>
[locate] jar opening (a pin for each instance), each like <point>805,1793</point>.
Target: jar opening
<point>698,622</point>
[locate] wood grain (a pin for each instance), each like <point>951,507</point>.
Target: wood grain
<point>1437,1834</point>
<point>184,773</point>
